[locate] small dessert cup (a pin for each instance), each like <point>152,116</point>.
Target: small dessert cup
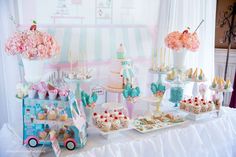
<point>42,94</point>
<point>52,94</point>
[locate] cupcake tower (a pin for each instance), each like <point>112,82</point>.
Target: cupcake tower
<point>43,90</point>
<point>196,105</point>
<point>110,121</point>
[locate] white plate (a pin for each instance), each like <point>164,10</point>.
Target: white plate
<point>164,126</point>
<point>115,131</point>
<point>202,115</point>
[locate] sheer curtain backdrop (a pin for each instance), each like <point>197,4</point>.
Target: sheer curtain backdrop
<point>180,14</point>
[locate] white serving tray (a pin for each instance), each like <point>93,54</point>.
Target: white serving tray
<point>160,128</point>
<point>113,132</point>
<point>202,115</point>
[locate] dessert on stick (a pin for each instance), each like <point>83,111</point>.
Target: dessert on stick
<point>131,93</point>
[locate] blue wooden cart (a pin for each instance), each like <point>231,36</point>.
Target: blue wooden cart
<point>74,125</point>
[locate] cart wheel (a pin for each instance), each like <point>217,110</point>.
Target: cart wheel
<point>32,142</point>
<point>70,145</point>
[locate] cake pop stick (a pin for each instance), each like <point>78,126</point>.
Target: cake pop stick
<point>70,58</point>
<point>164,56</point>
<point>156,58</point>
<point>161,57</point>
<point>199,26</point>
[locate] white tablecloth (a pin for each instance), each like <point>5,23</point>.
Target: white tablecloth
<point>211,138</point>
<point>206,138</point>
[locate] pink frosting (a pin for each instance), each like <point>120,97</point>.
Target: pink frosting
<point>54,91</point>
<point>63,93</point>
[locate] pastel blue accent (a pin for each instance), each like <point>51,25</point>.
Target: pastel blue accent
<point>113,45</point>
<point>139,44</point>
<point>82,42</point>
<point>126,40</point>
<point>32,129</point>
<point>65,47</point>
<point>98,44</point>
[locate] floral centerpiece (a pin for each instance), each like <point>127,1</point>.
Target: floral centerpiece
<point>89,103</point>
<point>131,94</point>
<point>180,42</point>
<point>34,47</point>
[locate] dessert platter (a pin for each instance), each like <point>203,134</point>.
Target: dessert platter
<point>111,122</point>
<point>197,108</point>
<point>157,121</point>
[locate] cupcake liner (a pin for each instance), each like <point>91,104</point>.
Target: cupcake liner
<point>52,96</point>
<point>42,95</point>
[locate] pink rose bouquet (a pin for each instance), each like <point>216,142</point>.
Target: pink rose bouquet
<point>177,40</point>
<point>32,44</point>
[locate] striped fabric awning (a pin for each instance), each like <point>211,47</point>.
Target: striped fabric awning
<point>100,44</point>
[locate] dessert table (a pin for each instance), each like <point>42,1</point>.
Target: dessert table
<point>206,138</point>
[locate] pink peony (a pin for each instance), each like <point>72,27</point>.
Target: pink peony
<point>177,41</point>
<point>32,44</point>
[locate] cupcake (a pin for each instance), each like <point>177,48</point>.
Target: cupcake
<point>210,105</point>
<point>115,123</point>
<point>196,108</point>
<point>124,122</point>
<point>63,95</point>
<point>188,105</point>
<point>182,104</point>
<point>41,115</point>
<point>95,117</point>
<point>52,94</point>
<point>99,121</point>
<point>63,115</point>
<point>106,114</point>
<point>67,134</point>
<point>110,118</point>
<point>42,94</point>
<point>43,134</point>
<point>52,115</point>
<point>115,113</point>
<point>204,107</point>
<point>106,125</point>
<point>120,115</point>
<point>32,93</point>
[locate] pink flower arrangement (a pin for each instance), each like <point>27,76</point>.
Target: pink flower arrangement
<point>177,41</point>
<point>32,44</point>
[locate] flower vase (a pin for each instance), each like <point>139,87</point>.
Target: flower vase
<point>179,59</point>
<point>130,108</point>
<point>33,69</point>
<point>88,113</point>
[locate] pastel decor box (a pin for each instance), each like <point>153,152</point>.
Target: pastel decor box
<point>72,131</point>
